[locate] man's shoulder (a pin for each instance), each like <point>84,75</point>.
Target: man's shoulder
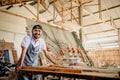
<point>27,37</point>
<point>41,39</point>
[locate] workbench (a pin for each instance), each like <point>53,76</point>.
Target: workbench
<point>71,72</point>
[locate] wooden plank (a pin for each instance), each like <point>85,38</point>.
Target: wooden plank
<point>70,72</point>
<point>55,69</point>
<point>15,57</point>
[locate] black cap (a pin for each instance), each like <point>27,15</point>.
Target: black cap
<point>37,27</point>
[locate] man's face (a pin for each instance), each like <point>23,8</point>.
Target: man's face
<point>36,33</point>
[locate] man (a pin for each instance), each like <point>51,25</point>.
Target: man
<point>31,46</point>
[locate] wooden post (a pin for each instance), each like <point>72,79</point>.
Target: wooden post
<point>99,6</point>
<point>84,54</point>
<point>119,38</point>
<point>38,4</point>
<point>80,11</point>
<point>54,12</point>
<point>71,10</point>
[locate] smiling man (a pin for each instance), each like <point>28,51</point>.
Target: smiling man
<point>31,46</point>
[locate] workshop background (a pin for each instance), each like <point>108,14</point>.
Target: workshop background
<point>90,28</point>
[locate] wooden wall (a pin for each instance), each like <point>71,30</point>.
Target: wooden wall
<point>104,58</point>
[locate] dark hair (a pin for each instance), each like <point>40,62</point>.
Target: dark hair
<point>37,27</point>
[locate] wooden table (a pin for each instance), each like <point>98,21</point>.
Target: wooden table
<point>71,72</point>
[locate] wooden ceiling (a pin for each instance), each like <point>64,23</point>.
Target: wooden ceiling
<point>10,2</point>
<point>90,14</point>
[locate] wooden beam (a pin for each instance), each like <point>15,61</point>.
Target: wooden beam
<point>75,19</point>
<point>91,5</point>
<point>119,38</point>
<point>57,11</point>
<point>82,3</point>
<point>38,5</point>
<point>67,9</point>
<point>27,8</point>
<point>30,11</point>
<point>80,14</point>
<point>54,12</point>
<point>102,37</point>
<point>71,11</point>
<point>99,32</point>
<point>103,10</point>
<point>72,73</point>
<point>62,15</point>
<point>98,11</point>
<point>100,22</point>
<point>99,8</point>
<point>17,15</point>
<point>107,42</point>
<point>43,3</point>
<point>108,14</point>
<point>96,17</point>
<point>89,14</point>
<point>72,15</point>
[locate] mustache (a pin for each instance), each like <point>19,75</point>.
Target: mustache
<point>36,34</point>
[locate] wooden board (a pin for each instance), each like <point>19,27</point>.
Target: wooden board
<point>70,72</point>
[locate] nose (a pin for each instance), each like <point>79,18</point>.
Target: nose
<point>38,31</point>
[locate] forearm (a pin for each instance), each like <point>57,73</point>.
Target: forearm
<point>50,57</point>
<point>22,56</point>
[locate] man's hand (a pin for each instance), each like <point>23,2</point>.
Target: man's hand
<point>18,68</point>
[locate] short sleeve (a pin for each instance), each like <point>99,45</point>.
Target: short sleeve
<point>25,41</point>
<point>43,46</point>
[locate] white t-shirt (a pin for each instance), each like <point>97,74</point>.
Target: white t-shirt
<point>28,39</point>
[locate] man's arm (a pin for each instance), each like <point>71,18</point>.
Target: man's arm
<point>24,49</point>
<point>47,54</point>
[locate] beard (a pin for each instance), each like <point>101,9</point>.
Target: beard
<point>36,36</point>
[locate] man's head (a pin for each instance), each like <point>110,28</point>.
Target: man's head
<point>36,31</point>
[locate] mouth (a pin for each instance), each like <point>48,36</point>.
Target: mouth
<point>36,35</point>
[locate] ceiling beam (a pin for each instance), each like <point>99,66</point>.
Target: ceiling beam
<point>12,2</point>
<point>17,15</point>
<point>99,8</point>
<point>22,4</point>
<point>98,32</point>
<point>33,19</point>
<point>38,10</point>
<point>102,37</point>
<point>103,10</point>
<point>101,22</point>
<point>57,10</point>
<point>70,7</point>
<point>82,3</point>
<point>98,12</point>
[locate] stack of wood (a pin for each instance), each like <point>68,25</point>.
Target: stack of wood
<point>9,48</point>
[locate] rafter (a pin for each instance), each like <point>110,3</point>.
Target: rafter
<point>99,32</point>
<point>27,8</point>
<point>102,37</point>
<point>101,22</point>
<point>103,10</point>
<point>98,11</point>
